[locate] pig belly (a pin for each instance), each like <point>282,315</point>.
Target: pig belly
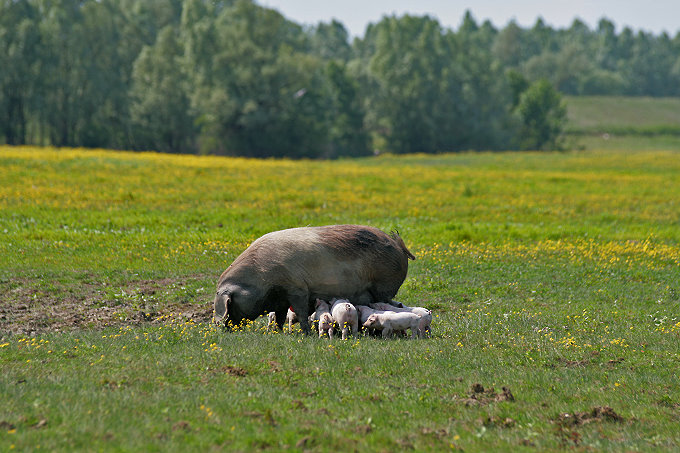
<point>340,281</point>
<point>401,322</point>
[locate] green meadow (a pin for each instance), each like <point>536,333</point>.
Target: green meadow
<point>623,122</point>
<point>553,278</point>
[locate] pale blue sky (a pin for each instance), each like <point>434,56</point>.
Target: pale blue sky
<point>652,16</point>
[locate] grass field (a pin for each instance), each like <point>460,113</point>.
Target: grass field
<point>596,112</point>
<point>618,122</point>
<point>553,279</point>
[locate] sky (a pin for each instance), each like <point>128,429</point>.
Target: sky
<point>655,16</point>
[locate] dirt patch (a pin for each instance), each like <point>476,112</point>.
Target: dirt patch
<point>614,362</point>
<point>181,426</point>
<point>363,429</point>
<point>597,414</point>
<point>266,416</point>
<point>6,426</point>
<point>234,370</point>
<point>304,442</point>
<point>274,366</point>
<point>568,423</point>
<point>494,421</point>
<point>440,433</point>
<point>299,405</point>
<point>479,396</point>
<point>30,307</point>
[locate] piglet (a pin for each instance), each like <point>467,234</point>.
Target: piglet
<point>346,317</point>
<point>271,324</point>
<point>323,314</point>
<point>291,318</point>
<point>424,313</point>
<point>393,321</point>
<point>364,312</point>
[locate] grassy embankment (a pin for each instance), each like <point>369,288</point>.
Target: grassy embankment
<point>554,275</point>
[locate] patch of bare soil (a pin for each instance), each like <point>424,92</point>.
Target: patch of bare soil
<point>568,423</point>
<point>234,370</point>
<point>27,308</point>
<point>479,396</point>
<point>597,414</point>
<point>494,421</point>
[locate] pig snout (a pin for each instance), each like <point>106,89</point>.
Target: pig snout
<point>220,308</point>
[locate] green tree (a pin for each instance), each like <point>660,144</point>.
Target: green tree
<point>84,75</point>
<point>331,41</point>
<point>61,66</point>
<point>104,64</point>
<point>19,62</point>
<point>542,114</point>
<point>254,89</point>
<point>347,135</point>
<point>160,106</point>
<point>478,92</point>
<point>409,65</point>
<point>518,85</point>
<point>509,47</point>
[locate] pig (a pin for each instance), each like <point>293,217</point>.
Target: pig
<point>424,313</point>
<point>314,321</point>
<point>292,318</point>
<point>345,316</point>
<point>326,321</point>
<point>390,321</point>
<point>271,323</point>
<point>291,268</point>
<point>364,312</point>
<point>326,325</point>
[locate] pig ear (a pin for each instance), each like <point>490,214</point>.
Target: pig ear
<point>221,304</point>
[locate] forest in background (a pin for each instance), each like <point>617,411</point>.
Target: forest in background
<point>233,78</point>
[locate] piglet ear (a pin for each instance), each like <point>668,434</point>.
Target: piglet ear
<point>318,302</point>
<point>221,305</point>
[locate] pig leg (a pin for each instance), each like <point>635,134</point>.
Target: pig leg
<point>386,332</point>
<point>300,304</point>
<point>281,318</point>
<point>355,328</point>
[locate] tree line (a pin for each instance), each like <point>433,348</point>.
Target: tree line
<point>234,78</point>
